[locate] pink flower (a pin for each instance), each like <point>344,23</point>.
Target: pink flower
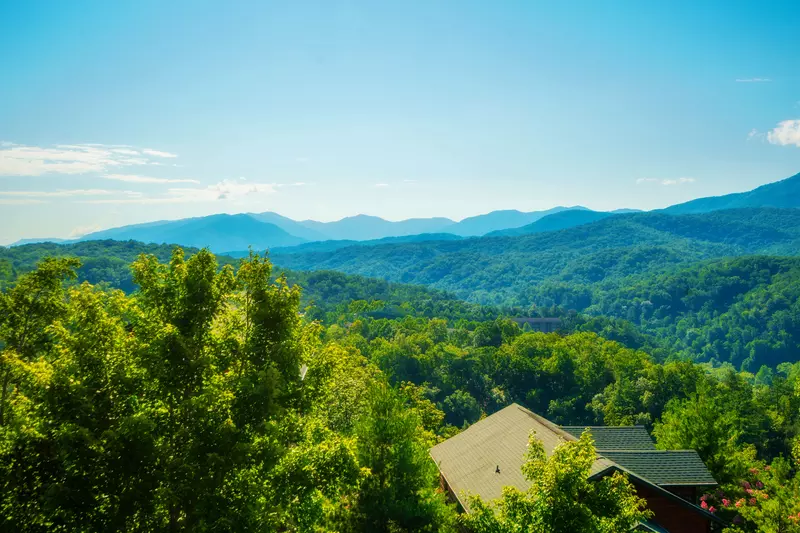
<point>760,485</point>
<point>712,509</point>
<point>726,502</point>
<point>746,484</point>
<point>753,501</point>
<point>704,497</point>
<point>740,502</point>
<point>703,504</point>
<point>749,491</point>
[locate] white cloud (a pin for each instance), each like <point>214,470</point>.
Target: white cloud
<point>20,201</point>
<point>786,133</point>
<point>71,159</point>
<point>676,181</point>
<point>61,193</point>
<point>226,190</point>
<point>157,153</point>
<point>753,80</point>
<point>134,178</point>
<point>381,185</point>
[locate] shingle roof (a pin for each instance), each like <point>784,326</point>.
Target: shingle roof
<point>663,467</point>
<point>615,438</point>
<point>469,460</point>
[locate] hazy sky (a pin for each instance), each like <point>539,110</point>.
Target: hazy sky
<point>129,111</point>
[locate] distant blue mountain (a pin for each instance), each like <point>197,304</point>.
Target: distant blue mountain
<point>499,220</point>
<point>268,230</point>
<point>784,193</point>
<point>22,242</point>
<point>220,233</point>
<point>554,222</point>
<point>292,227</point>
<point>365,227</point>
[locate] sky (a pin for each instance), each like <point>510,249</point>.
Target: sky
<point>114,113</point>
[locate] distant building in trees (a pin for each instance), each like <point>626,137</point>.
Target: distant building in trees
<point>489,456</point>
<point>544,325</point>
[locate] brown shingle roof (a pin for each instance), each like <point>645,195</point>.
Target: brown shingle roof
<point>469,460</point>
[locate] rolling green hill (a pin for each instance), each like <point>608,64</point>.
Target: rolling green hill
<point>499,269</point>
<point>108,263</point>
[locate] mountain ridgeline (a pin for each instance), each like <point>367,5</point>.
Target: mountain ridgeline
<point>500,269</point>
<point>225,233</point>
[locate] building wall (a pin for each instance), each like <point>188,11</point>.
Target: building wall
<point>690,494</point>
<point>671,515</point>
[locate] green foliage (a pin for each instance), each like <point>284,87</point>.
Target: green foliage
<point>764,499</point>
<point>183,408</point>
<point>561,497</point>
<point>102,262</point>
<point>205,400</point>
<point>398,494</point>
<point>502,270</point>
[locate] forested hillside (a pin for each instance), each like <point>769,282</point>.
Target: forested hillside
<point>325,293</point>
<point>745,311</point>
<point>498,269</point>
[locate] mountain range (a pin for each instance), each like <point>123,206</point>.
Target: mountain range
<point>505,268</point>
<point>224,233</point>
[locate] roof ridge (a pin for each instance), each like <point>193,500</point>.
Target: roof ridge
<point>634,450</point>
<point>603,427</point>
<point>545,422</point>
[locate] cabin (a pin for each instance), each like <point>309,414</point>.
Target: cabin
<point>489,455</point>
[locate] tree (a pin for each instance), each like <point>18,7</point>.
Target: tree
<point>461,409</point>
<point>561,498</point>
<point>178,409</point>
<point>34,302</point>
<point>399,493</point>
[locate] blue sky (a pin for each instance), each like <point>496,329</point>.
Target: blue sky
<point>120,112</point>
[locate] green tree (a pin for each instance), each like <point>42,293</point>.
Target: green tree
<point>561,498</point>
<point>181,408</point>
<point>400,491</point>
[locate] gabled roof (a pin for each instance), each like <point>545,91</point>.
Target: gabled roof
<point>469,461</point>
<point>616,437</point>
<point>664,467</point>
<point>489,455</point>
